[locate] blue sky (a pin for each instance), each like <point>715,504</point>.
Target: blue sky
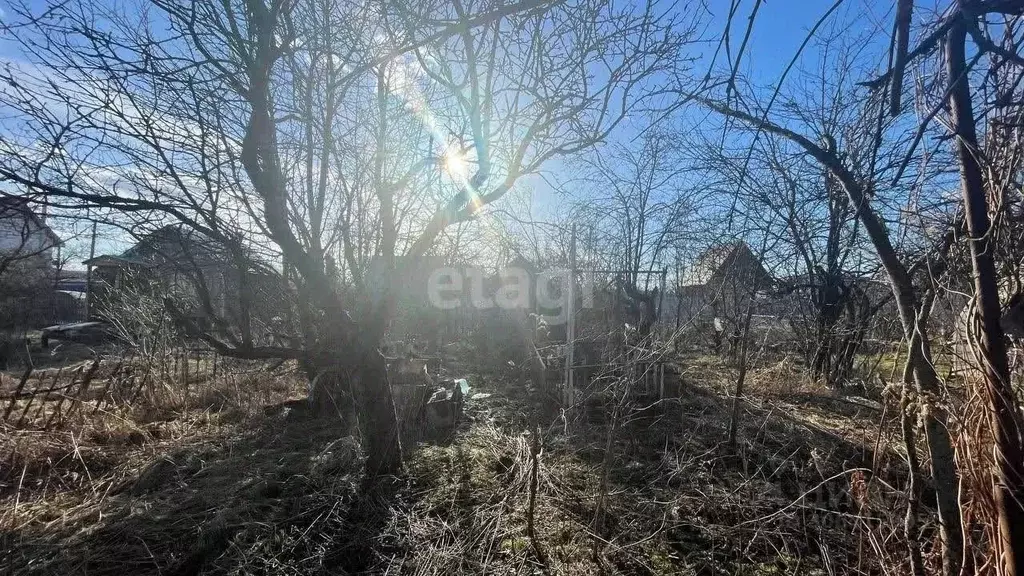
<point>779,29</point>
<point>782,25</point>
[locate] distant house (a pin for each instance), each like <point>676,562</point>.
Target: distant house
<point>28,298</point>
<point>730,263</point>
<point>26,241</point>
<point>200,274</point>
<point>166,256</point>
<point>719,284</point>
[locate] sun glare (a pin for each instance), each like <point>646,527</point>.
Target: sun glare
<point>455,163</point>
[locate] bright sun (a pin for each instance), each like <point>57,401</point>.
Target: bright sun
<point>455,163</point>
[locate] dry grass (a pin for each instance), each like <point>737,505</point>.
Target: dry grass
<point>72,492</point>
<point>223,488</point>
<point>677,503</point>
<point>783,378</point>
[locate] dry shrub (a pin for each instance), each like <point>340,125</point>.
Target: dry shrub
<point>783,378</point>
<point>972,436</point>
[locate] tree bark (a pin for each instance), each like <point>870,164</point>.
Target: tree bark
<point>1008,489</point>
<point>377,415</point>
<point>350,359</point>
<point>737,397</point>
<point>907,427</point>
<point>939,444</point>
<point>910,530</point>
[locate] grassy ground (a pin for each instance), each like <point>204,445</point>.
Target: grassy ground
<point>249,492</point>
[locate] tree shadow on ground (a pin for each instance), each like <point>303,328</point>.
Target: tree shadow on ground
<point>288,497</point>
<point>731,506</point>
<point>269,499</point>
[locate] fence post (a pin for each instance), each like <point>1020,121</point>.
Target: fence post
<point>53,386</point>
<point>186,374</point>
<point>17,392</point>
<point>110,380</point>
<point>60,403</point>
<point>660,316</point>
<point>570,329</point>
<point>78,400</point>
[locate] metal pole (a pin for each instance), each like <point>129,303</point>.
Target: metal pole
<point>88,274</point>
<point>659,317</point>
<point>570,319</point>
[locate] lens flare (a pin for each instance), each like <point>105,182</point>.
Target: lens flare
<point>456,164</point>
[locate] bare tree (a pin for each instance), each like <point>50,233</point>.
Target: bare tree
<point>815,236</point>
<point>323,134</point>
<point>638,206</point>
<point>861,183</point>
<point>1008,489</point>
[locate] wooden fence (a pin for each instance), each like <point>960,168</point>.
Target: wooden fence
<point>48,398</point>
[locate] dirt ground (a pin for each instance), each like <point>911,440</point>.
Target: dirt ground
<point>273,491</point>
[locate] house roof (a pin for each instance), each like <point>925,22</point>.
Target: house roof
<point>723,260</point>
<point>19,206</point>
<point>113,261</point>
<point>166,244</point>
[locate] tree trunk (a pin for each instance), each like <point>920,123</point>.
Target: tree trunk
<point>348,359</point>
<point>991,345</point>
<point>734,419</point>
<point>939,445</point>
<point>940,448</point>
<point>907,427</point>
<point>378,419</point>
<point>910,530</point>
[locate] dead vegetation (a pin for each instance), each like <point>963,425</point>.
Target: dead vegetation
<point>229,487</point>
<point>60,476</point>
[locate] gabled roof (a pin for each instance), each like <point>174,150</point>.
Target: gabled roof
<point>174,240</point>
<point>726,260</point>
<point>114,261</point>
<point>167,244</point>
<point>19,207</point>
